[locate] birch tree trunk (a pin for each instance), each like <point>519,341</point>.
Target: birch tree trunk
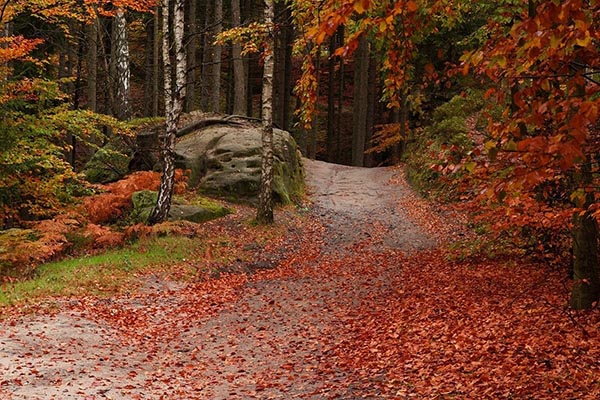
<point>122,71</point>
<point>174,99</point>
<point>265,198</point>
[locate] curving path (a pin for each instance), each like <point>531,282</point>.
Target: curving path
<point>273,340</point>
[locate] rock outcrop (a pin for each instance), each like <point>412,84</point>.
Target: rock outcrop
<point>225,160</point>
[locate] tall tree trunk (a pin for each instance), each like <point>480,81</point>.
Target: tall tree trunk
<point>106,105</point>
<point>282,74</point>
<point>149,77</point>
<point>340,100</point>
<point>174,100</point>
<point>371,101</point>
<point>239,70</point>
<point>156,65</point>
<point>64,71</point>
<point>288,32</point>
<point>361,85</point>
<point>78,93</point>
<point>92,76</point>
<point>249,66</point>
<point>314,129</point>
<point>301,135</point>
<point>192,45</point>
<point>121,67</point>
<point>205,80</point>
<point>331,96</point>
<point>404,110</point>
<point>265,198</point>
<point>279,68</point>
<point>586,270</point>
<point>586,288</point>
<point>215,60</point>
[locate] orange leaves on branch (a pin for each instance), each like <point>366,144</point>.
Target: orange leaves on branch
<point>306,89</point>
<point>385,136</point>
<point>392,24</point>
<point>251,37</point>
<point>15,48</point>
<point>547,129</point>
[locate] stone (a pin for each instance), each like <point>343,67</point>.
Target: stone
<point>110,163</point>
<point>225,160</point>
<point>199,210</point>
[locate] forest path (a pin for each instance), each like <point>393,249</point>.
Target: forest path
<point>360,203</point>
<point>270,335</point>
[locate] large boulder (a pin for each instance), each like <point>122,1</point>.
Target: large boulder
<point>225,160</point>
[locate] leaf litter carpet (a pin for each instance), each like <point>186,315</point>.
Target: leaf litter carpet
<point>363,303</point>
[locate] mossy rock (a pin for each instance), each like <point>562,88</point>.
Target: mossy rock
<point>225,161</point>
<point>110,163</point>
<point>197,210</point>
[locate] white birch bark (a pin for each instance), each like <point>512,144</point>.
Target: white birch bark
<point>122,70</point>
<point>265,199</point>
<point>174,99</point>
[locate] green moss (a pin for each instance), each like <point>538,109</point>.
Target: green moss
<point>101,274</point>
<point>288,182</point>
<point>460,106</point>
<point>196,209</point>
<point>143,202</point>
<point>110,163</point>
<point>205,203</point>
<point>448,134</point>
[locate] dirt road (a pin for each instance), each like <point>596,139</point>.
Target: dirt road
<point>273,340</point>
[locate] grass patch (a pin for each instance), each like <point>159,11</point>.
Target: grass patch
<point>102,274</point>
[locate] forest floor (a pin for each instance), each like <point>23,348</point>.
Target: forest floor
<point>360,299</point>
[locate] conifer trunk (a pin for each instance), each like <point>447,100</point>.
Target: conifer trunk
<point>239,71</point>
<point>192,45</point>
<point>586,286</point>
<point>92,76</point>
<point>361,82</point>
<point>214,103</point>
